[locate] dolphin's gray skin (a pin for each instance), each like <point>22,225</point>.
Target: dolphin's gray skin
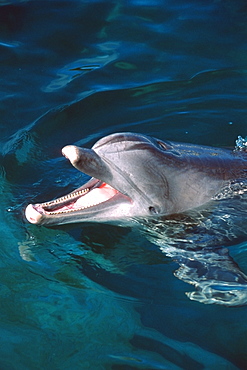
<point>135,175</point>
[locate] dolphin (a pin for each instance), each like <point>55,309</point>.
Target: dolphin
<point>134,175</point>
<point>171,190</point>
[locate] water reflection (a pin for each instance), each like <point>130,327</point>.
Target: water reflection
<point>197,242</point>
<point>101,55</point>
<point>96,287</point>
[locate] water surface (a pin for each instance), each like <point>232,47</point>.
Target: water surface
<point>101,296</point>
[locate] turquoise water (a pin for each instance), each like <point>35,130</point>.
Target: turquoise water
<point>101,296</point>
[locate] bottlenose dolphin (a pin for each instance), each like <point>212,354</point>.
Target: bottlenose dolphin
<point>134,175</point>
<point>171,190</point>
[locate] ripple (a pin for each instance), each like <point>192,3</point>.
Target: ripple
<point>82,66</point>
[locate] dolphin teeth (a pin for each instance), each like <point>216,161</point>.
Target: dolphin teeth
<point>65,198</point>
<point>76,201</point>
<point>71,210</point>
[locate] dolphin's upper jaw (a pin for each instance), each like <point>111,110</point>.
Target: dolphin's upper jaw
<point>87,199</point>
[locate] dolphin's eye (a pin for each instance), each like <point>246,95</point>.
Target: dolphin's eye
<point>152,210</point>
<point>162,145</point>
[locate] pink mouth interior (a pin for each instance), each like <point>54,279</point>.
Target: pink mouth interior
<point>88,199</point>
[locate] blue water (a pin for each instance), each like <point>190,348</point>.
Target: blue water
<point>97,296</point>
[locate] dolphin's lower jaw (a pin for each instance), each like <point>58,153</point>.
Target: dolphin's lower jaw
<point>94,199</point>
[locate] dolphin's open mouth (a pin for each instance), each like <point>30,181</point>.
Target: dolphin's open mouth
<point>90,199</point>
<point>94,193</point>
<point>80,199</point>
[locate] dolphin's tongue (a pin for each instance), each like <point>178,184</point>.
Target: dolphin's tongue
<point>93,197</point>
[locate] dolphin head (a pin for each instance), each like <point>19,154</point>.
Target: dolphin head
<point>133,175</point>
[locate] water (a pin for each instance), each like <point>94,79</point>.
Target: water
<point>97,296</point>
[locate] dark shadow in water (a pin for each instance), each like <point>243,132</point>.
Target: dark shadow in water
<point>170,354</point>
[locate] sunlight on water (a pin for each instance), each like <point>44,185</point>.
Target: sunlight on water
<point>241,144</point>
